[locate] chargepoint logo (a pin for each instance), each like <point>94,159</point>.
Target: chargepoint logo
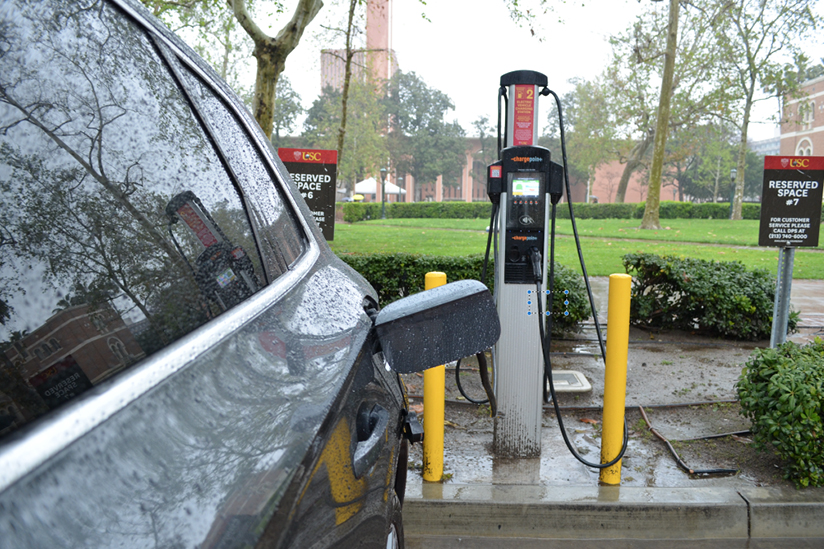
<point>526,159</point>
<point>524,238</point>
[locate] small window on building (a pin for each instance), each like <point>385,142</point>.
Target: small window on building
<point>804,148</point>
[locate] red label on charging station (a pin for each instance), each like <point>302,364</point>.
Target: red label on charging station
<point>523,129</point>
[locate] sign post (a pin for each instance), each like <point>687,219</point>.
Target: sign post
<point>790,217</point>
<point>315,173</point>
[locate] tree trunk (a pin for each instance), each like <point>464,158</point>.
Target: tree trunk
<point>650,220</point>
<point>635,156</point>
<point>717,179</point>
<point>742,156</point>
<point>347,77</point>
<point>271,53</point>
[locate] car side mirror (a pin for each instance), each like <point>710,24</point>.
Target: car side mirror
<point>438,326</point>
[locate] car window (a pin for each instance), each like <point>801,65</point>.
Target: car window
<point>121,229</point>
<point>278,233</point>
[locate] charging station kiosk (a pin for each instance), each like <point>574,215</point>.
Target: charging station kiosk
<point>521,177</point>
<point>525,186</point>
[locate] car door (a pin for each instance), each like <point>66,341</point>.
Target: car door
<point>348,491</point>
<point>176,341</point>
<point>348,499</point>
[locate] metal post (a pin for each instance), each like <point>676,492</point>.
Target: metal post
<point>615,376</point>
<point>783,288</point>
<point>434,382</point>
<point>383,193</point>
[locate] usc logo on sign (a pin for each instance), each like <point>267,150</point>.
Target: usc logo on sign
<point>799,162</point>
<point>311,157</point>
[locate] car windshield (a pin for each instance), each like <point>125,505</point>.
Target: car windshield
<point>122,230</point>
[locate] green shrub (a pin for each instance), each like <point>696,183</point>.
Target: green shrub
<point>717,298</point>
<point>781,393</point>
<point>674,210</point>
<point>447,210</point>
<point>750,211</point>
<point>570,304</point>
<point>398,275</point>
<point>361,211</point>
<point>596,211</point>
<point>711,210</point>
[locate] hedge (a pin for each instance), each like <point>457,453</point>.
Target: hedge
<point>355,211</point>
<point>719,298</point>
<point>399,274</point>
<point>360,211</point>
<point>782,392</point>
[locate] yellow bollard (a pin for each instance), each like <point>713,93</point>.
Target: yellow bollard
<point>434,380</point>
<point>615,378</point>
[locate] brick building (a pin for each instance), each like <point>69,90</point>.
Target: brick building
<point>802,126</point>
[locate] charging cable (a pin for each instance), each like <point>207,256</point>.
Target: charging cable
<point>536,260</point>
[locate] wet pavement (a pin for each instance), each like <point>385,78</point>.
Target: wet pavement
<point>666,372</point>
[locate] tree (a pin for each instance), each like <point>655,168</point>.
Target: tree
<point>628,94</point>
<point>349,53</point>
<point>650,220</point>
<point>365,151</point>
<point>420,141</point>
<point>700,159</point>
<point>588,128</point>
<point>756,35</point>
<point>270,52</point>
<point>287,109</point>
<point>488,153</point>
<point>693,98</point>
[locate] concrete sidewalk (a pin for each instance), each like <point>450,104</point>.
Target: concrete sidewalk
<point>531,516</point>
<point>502,506</point>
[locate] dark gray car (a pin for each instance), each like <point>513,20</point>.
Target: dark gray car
<point>184,362</point>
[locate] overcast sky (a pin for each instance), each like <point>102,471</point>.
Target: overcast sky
<point>468,44</point>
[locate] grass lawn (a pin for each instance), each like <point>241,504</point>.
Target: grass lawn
<point>709,231</point>
<point>604,241</point>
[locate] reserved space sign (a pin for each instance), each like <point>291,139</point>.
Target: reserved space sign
<point>315,172</point>
<point>791,201</point>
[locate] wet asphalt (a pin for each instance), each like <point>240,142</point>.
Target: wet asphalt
<point>554,501</point>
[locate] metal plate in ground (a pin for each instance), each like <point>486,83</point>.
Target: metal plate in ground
<point>570,381</point>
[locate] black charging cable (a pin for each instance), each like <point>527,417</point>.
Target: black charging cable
<point>535,258</point>
<point>547,91</point>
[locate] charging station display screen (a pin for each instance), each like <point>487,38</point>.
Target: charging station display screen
<point>525,204</point>
<point>526,187</point>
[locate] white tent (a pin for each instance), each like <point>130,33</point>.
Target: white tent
<point>368,186</point>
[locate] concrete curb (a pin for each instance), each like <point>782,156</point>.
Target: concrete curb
<point>608,512</point>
